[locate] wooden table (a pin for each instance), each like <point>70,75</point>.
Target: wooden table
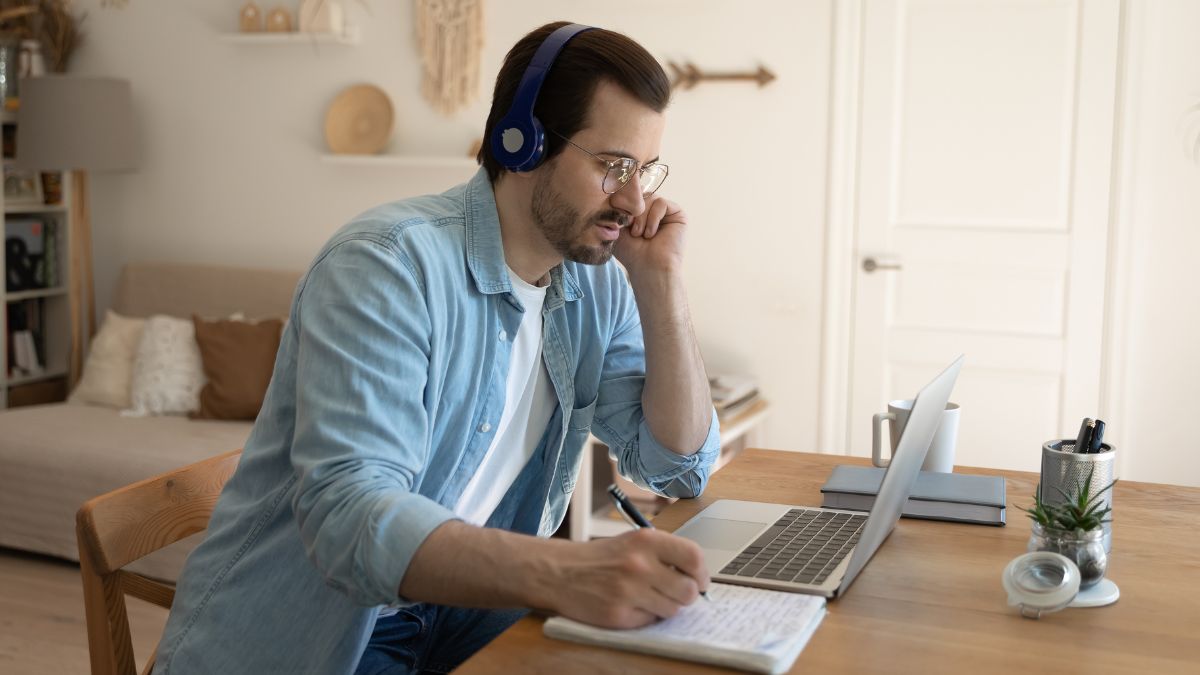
<point>930,601</point>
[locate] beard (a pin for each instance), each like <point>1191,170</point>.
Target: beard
<point>562,226</point>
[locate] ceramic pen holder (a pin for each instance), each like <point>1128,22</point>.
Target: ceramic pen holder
<point>1065,470</point>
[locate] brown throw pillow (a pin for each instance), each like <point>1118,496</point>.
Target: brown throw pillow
<point>238,358</point>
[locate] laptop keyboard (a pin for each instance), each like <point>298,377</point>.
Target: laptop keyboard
<point>803,546</point>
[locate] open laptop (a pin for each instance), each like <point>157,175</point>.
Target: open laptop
<point>815,550</point>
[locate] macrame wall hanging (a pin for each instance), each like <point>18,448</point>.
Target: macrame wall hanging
<point>450,38</point>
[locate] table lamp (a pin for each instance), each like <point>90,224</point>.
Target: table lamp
<point>77,124</point>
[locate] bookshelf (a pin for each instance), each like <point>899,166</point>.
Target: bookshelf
<point>39,302</point>
<point>591,513</point>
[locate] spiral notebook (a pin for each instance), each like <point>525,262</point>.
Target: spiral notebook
<point>747,628</point>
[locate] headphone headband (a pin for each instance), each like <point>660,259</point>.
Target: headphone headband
<point>519,139</point>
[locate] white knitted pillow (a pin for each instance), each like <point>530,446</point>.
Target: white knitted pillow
<point>167,371</point>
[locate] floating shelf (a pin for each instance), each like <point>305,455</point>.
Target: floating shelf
<point>350,37</point>
<point>38,377</point>
<point>18,209</point>
<point>35,293</point>
<point>418,161</point>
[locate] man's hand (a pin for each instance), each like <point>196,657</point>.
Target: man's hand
<point>626,581</point>
<point>623,582</point>
<point>654,241</point>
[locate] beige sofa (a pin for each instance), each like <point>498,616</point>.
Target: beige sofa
<point>55,457</point>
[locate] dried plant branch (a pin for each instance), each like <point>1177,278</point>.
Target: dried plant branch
<point>57,28</point>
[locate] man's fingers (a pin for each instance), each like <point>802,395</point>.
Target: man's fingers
<point>672,552</point>
<point>685,556</point>
<point>654,216</point>
<point>638,617</point>
<point>675,585</point>
<point>660,604</point>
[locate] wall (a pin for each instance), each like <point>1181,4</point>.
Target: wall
<point>231,173</point>
<point>232,134</point>
<point>1156,326</point>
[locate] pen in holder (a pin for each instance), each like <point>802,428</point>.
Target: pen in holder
<point>1064,471</point>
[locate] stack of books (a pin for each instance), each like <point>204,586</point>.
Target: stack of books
<point>25,338</point>
<point>732,394</point>
<point>957,497</point>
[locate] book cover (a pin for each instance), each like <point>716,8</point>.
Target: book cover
<point>938,496</point>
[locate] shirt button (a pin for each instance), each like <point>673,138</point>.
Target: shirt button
<point>503,335</point>
<point>484,428</point>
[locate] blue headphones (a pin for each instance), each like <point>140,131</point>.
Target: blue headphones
<point>519,141</point>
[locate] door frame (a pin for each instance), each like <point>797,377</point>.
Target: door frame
<point>841,225</point>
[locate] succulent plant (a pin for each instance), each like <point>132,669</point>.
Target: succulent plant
<point>1080,512</point>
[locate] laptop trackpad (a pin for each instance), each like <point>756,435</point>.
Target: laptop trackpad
<point>721,534</point>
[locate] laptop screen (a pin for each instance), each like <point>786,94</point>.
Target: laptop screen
<point>901,473</point>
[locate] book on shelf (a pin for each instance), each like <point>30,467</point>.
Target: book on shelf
<point>25,356</point>
<point>956,497</point>
<point>50,255</point>
<point>31,253</point>
<point>24,337</point>
<point>732,394</point>
<point>747,628</point>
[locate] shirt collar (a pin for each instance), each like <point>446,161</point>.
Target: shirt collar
<point>485,251</point>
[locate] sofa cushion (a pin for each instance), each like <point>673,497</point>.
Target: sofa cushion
<point>238,358</point>
<point>167,370</point>
<point>108,371</point>
<point>56,457</point>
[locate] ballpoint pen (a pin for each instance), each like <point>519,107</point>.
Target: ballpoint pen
<point>1084,439</point>
<point>1097,443</point>
<point>634,517</point>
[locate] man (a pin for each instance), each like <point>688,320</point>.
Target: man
<point>445,360</point>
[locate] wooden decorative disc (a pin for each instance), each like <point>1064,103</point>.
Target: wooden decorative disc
<point>359,121</point>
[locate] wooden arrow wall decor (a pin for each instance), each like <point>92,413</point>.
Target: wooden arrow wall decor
<point>688,76</point>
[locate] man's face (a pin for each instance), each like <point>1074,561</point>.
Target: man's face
<point>569,206</point>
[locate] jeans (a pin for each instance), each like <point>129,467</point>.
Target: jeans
<point>429,638</point>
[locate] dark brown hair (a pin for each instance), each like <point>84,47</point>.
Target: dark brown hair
<point>566,95</point>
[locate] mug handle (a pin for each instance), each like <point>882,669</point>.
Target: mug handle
<point>876,449</point>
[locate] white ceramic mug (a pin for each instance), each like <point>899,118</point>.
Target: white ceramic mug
<point>940,457</point>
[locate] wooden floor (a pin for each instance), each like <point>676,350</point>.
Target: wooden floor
<point>42,629</point>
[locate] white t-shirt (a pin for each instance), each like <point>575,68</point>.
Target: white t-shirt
<point>528,404</point>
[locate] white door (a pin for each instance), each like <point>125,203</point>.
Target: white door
<point>984,169</point>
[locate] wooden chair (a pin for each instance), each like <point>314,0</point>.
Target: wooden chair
<point>125,525</point>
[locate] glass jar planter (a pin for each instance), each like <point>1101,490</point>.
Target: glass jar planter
<point>1085,549</point>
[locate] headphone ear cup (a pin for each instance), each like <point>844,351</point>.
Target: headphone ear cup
<point>518,143</point>
<point>539,146</point>
<point>513,143</point>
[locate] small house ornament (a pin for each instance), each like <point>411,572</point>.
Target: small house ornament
<point>251,18</point>
<point>279,20</point>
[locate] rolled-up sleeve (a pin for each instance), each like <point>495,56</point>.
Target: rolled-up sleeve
<point>361,431</point>
<point>621,422</point>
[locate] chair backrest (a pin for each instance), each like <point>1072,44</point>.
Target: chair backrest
<point>129,523</point>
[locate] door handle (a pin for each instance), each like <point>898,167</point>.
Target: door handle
<point>869,265</point>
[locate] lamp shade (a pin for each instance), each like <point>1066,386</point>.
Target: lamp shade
<point>70,123</point>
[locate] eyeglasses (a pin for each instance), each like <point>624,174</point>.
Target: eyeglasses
<point>618,172</point>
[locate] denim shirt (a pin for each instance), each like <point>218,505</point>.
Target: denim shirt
<point>387,390</point>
